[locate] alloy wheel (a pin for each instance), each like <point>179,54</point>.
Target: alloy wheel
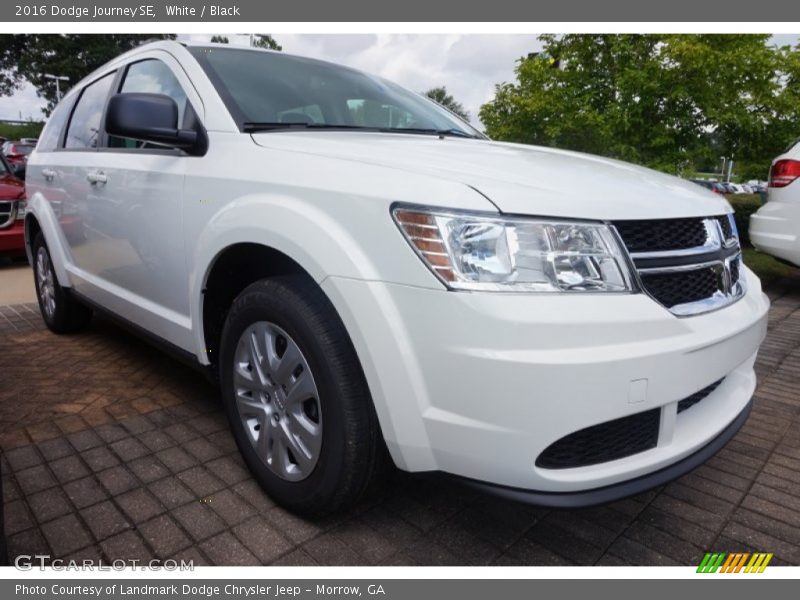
<point>46,281</point>
<point>277,401</point>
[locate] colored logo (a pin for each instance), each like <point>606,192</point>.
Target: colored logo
<point>734,562</point>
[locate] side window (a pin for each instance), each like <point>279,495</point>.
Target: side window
<point>153,77</point>
<point>51,134</point>
<point>84,127</point>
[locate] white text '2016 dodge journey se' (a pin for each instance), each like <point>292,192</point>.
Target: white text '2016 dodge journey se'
<point>369,278</point>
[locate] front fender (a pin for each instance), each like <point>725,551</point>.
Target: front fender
<point>311,235</point>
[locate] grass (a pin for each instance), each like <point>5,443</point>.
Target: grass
<point>767,268</point>
<point>15,132</point>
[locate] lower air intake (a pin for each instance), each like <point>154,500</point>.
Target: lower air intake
<point>690,401</point>
<point>608,441</point>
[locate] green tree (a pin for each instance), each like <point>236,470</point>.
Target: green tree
<point>257,40</point>
<point>29,57</point>
<point>666,101</point>
<point>264,40</point>
<point>440,95</point>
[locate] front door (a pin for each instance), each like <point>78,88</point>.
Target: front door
<point>132,260</point>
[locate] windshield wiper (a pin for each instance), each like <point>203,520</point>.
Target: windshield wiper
<point>251,127</point>
<point>429,131</point>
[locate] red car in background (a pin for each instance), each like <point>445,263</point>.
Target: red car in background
<point>12,212</point>
<point>16,153</point>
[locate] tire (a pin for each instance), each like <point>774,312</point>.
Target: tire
<point>331,464</point>
<point>60,311</point>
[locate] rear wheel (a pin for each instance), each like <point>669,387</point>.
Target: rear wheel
<point>296,397</point>
<point>60,311</point>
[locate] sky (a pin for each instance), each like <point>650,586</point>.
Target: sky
<point>469,65</point>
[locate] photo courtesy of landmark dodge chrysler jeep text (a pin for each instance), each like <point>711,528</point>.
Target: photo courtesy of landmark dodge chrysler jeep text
<point>369,278</point>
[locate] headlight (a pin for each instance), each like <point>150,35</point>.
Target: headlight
<point>21,208</point>
<point>472,251</point>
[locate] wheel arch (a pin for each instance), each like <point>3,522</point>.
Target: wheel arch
<point>32,229</point>
<point>40,218</point>
<point>262,235</point>
<point>233,269</point>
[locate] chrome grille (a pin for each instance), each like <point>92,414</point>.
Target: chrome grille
<point>674,288</point>
<point>663,235</point>
<point>689,266</point>
<point>8,213</point>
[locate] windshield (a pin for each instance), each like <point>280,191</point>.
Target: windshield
<point>270,90</point>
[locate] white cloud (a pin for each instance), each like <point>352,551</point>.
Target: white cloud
<point>23,105</point>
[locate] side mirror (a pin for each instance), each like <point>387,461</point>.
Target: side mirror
<point>18,170</point>
<point>149,118</point>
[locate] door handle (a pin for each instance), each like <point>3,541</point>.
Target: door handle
<point>49,174</point>
<point>95,177</point>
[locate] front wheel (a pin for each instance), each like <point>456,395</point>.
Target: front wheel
<point>60,311</point>
<point>296,397</point>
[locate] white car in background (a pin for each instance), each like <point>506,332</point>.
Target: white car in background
<point>775,228</point>
<point>361,271</point>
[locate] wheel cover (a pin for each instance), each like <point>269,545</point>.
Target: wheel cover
<point>277,401</point>
<point>46,282</point>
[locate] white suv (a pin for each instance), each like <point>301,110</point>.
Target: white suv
<point>775,228</point>
<point>369,277</point>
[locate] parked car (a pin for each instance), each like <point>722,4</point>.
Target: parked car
<point>740,188</point>
<point>775,227</point>
<point>364,272</point>
<point>758,187</point>
<point>12,213</point>
<point>17,152</point>
<point>709,185</point>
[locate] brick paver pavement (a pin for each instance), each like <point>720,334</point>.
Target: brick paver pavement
<point>112,450</point>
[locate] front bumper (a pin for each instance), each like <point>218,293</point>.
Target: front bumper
<point>617,491</point>
<point>12,239</point>
<point>477,385</point>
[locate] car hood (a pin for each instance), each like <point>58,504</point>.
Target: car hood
<point>11,188</point>
<point>517,178</point>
